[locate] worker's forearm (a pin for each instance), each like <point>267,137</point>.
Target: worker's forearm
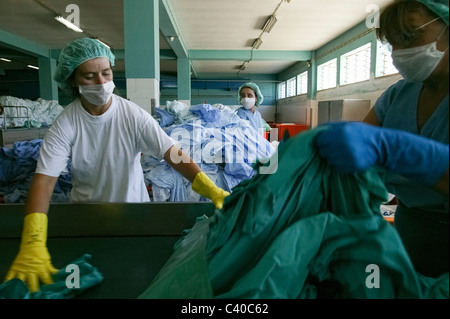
<point>40,194</point>
<point>182,163</point>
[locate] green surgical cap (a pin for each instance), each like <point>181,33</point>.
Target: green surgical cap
<point>439,7</point>
<point>255,88</point>
<point>76,53</point>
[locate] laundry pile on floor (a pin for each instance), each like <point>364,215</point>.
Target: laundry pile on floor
<point>303,232</point>
<point>18,163</point>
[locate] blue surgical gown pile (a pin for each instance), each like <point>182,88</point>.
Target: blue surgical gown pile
<point>225,147</point>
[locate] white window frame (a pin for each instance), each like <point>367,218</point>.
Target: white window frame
<point>281,90</point>
<point>384,65</point>
<point>302,83</point>
<point>291,87</point>
<point>327,75</point>
<point>355,65</point>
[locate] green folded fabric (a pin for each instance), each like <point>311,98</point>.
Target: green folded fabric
<point>89,277</point>
<point>302,232</point>
<point>260,209</point>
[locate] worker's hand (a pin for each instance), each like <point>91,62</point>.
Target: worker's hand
<point>204,186</point>
<point>349,147</point>
<point>352,147</point>
<point>32,263</point>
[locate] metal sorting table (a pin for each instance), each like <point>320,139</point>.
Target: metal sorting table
<point>129,243</point>
<point>9,135</point>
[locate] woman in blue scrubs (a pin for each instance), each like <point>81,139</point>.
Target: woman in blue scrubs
<point>407,131</point>
<point>250,97</point>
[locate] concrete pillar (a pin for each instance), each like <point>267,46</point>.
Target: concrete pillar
<point>142,58</point>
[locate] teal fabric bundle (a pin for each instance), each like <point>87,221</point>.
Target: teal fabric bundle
<point>89,277</point>
<point>302,232</point>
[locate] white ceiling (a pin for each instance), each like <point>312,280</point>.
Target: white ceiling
<point>202,25</point>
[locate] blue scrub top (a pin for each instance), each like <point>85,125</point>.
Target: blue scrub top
<point>397,108</point>
<point>255,119</point>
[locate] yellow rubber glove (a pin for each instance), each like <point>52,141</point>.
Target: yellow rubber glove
<point>204,186</point>
<point>32,263</point>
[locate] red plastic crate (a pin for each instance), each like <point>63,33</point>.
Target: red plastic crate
<point>292,128</point>
<point>271,124</point>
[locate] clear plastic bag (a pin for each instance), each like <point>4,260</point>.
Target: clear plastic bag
<point>185,274</point>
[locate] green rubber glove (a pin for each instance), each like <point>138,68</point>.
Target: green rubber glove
<point>32,263</point>
<point>204,186</point>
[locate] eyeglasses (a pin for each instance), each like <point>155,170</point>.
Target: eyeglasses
<point>406,38</point>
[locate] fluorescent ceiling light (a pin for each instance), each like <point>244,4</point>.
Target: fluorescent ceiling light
<point>6,60</point>
<point>257,43</point>
<point>270,23</point>
<point>103,43</point>
<point>68,24</point>
<point>32,67</point>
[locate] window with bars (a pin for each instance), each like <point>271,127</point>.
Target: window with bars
<point>281,90</point>
<point>326,75</point>
<point>302,83</point>
<point>291,87</point>
<point>355,65</point>
<point>384,60</point>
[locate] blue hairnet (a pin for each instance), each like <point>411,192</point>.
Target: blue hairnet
<point>439,7</point>
<point>76,53</point>
<point>255,88</point>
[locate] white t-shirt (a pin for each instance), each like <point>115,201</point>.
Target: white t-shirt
<point>104,150</point>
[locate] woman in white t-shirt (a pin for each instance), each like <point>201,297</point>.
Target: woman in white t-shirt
<point>102,135</point>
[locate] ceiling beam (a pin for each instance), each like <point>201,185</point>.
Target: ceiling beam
<point>238,77</point>
<point>169,28</point>
<point>12,41</point>
<point>248,55</point>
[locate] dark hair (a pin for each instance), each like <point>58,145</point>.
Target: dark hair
<point>248,87</point>
<point>394,26</point>
<point>74,92</point>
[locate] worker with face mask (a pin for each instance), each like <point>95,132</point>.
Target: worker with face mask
<point>250,97</point>
<point>102,136</point>
<point>408,133</point>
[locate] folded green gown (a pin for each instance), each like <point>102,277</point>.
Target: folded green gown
<point>89,277</point>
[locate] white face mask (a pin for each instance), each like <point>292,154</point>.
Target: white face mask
<point>248,102</point>
<point>97,94</point>
<point>416,64</point>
